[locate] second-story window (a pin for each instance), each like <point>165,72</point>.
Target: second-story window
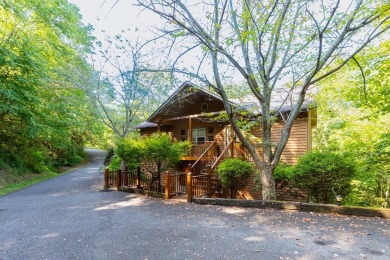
<point>198,135</point>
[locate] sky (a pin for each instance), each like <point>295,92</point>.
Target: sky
<point>111,17</point>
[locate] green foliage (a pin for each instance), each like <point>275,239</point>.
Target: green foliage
<point>44,117</point>
<point>284,172</point>
<point>353,117</point>
<point>129,150</point>
<point>159,152</point>
<point>115,163</point>
<point>323,175</point>
<point>234,174</point>
<point>156,153</point>
<point>109,156</point>
<point>376,66</point>
<point>371,186</point>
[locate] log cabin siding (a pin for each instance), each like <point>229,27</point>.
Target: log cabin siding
<point>297,145</point>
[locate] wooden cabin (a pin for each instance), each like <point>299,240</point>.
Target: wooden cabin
<point>191,113</point>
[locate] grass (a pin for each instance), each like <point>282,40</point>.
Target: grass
<point>13,180</point>
<point>10,182</point>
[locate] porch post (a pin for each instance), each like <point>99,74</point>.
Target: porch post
<point>231,137</point>
<point>159,126</point>
<point>190,132</point>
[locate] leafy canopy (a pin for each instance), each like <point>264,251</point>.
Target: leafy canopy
<point>44,118</point>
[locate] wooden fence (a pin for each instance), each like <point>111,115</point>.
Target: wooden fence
<point>176,184</point>
<point>121,178</point>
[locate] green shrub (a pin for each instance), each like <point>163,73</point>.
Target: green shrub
<point>234,174</point>
<point>371,184</point>
<point>110,154</point>
<point>323,175</point>
<point>284,172</point>
<point>115,163</point>
<point>75,159</point>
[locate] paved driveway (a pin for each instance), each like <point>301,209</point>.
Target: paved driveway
<point>71,218</point>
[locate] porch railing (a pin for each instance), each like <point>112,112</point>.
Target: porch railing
<point>207,157</point>
<point>199,148</point>
<point>232,149</point>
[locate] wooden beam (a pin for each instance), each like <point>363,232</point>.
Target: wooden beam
<point>193,116</point>
<point>190,132</point>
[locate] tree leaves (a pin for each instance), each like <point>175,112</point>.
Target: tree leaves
<point>42,116</point>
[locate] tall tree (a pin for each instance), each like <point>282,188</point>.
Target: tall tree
<point>122,90</point>
<point>271,45</point>
<point>42,116</point>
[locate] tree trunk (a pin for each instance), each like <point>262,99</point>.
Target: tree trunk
<point>268,183</point>
<point>123,165</point>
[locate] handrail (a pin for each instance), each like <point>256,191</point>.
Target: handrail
<point>220,156</point>
<point>203,154</point>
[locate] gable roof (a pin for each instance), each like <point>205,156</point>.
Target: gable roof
<point>188,90</point>
<point>183,93</point>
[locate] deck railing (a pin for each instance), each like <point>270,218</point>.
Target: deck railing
<point>207,157</point>
<point>199,148</point>
<point>232,149</point>
<point>199,185</point>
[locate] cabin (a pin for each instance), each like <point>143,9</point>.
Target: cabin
<point>195,114</point>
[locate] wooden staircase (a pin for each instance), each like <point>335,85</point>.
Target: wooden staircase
<point>208,162</point>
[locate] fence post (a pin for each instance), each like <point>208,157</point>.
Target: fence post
<point>209,180</point>
<point>106,179</point>
<point>119,179</point>
<point>167,186</point>
<point>138,177</point>
<point>189,187</point>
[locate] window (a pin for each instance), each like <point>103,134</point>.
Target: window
<point>198,135</point>
<point>182,132</point>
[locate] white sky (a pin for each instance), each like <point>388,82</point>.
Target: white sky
<point>102,15</point>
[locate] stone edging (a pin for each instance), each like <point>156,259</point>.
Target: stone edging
<point>299,206</point>
<point>144,192</point>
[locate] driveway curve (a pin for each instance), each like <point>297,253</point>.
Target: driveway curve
<point>70,217</point>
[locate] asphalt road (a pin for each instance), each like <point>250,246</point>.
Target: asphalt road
<point>70,217</point>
